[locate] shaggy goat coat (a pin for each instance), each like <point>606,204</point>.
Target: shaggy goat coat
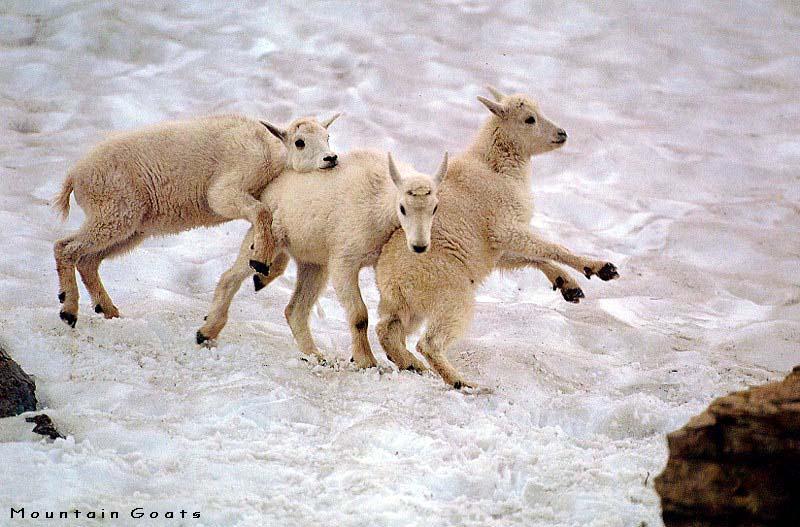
<point>483,223</point>
<point>165,179</point>
<point>334,223</point>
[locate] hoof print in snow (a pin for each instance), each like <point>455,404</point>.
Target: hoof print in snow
<point>98,308</point>
<point>44,426</point>
<point>259,267</point>
<point>61,297</point>
<point>68,318</point>
<point>608,272</point>
<point>316,361</point>
<point>573,295</point>
<point>258,284</point>
<point>17,389</point>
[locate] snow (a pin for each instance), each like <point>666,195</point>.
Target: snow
<point>681,168</point>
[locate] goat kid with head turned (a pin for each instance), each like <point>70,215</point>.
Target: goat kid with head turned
<point>334,224</point>
<point>483,224</point>
<point>172,177</point>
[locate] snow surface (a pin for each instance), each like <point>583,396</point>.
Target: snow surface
<point>682,168</point>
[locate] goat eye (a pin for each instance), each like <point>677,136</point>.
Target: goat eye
<point>530,120</point>
<point>435,209</point>
<point>402,210</point>
<point>300,144</point>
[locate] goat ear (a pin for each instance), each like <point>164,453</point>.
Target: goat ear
<point>497,94</point>
<point>442,171</point>
<point>277,132</point>
<point>326,123</point>
<point>393,173</point>
<point>494,107</point>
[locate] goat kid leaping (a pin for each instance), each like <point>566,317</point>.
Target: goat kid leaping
<point>483,224</point>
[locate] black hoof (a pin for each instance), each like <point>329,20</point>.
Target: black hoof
<point>98,309</point>
<point>573,295</point>
<point>559,283</point>
<point>608,272</point>
<point>259,267</point>
<point>258,284</point>
<point>457,385</point>
<point>69,318</point>
<point>200,338</point>
<point>61,297</point>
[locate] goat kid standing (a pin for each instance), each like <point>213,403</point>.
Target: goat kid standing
<point>334,224</point>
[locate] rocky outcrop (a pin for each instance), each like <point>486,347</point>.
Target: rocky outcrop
<point>18,395</point>
<point>16,388</point>
<point>737,463</point>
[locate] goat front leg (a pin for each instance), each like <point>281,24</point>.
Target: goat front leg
<point>311,280</point>
<point>229,201</point>
<point>345,282</point>
<point>228,285</point>
<point>276,269</point>
<point>559,278</point>
<point>519,240</point>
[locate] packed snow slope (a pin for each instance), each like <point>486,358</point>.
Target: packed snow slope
<point>681,167</point>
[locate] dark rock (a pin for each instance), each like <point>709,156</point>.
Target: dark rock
<point>44,426</point>
<point>738,462</point>
<point>16,388</point>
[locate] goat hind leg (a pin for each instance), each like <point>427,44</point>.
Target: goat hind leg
<point>445,327</point>
<point>392,336</point>
<point>95,236</point>
<point>89,266</point>
<point>67,284</point>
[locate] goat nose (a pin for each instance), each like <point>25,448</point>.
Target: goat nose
<point>331,159</point>
<point>420,248</point>
<point>562,133</point>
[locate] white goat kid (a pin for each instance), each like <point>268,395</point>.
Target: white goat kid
<point>483,224</point>
<point>335,223</point>
<point>172,177</point>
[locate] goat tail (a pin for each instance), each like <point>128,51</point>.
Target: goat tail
<point>61,203</point>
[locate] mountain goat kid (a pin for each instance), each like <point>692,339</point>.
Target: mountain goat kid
<point>172,177</point>
<point>483,224</point>
<point>335,224</point>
